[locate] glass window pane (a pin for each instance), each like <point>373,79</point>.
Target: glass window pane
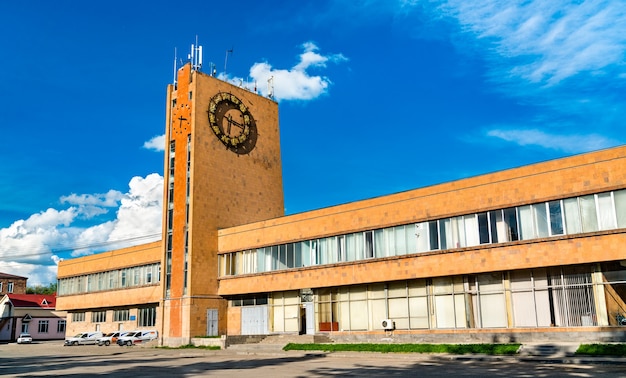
<point>510,218</point>
<point>541,220</point>
<point>493,224</point>
<point>588,212</point>
<point>572,216</point>
<point>471,230</point>
<point>411,239</point>
<point>444,233</point>
<point>369,244</point>
<point>605,210</point>
<point>433,231</point>
<point>620,207</point>
<point>483,228</point>
<point>556,218</point>
<point>526,223</point>
<point>351,254</point>
<point>380,244</point>
<point>423,237</point>
<point>400,240</point>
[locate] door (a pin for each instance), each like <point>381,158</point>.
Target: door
<point>254,320</point>
<point>211,322</point>
<point>309,316</point>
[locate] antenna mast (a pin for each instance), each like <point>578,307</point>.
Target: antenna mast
<point>226,59</point>
<point>175,68</point>
<point>195,56</point>
<point>270,87</point>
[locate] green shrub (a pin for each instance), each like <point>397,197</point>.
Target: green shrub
<point>602,349</point>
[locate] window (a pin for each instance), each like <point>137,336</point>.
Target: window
<point>121,315</point>
<point>147,317</point>
<point>98,316</point>
<point>24,327</point>
<point>10,287</point>
<point>1,286</point>
<point>556,218</point>
<point>78,316</point>
<point>43,326</point>
<point>61,326</point>
<point>369,244</point>
<point>567,216</point>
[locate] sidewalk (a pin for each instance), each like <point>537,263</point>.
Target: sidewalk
<point>554,353</point>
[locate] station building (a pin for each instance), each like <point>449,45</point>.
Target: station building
<point>530,253</point>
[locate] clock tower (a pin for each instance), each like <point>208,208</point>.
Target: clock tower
<point>222,169</point>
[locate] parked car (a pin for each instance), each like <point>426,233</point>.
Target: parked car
<point>137,337</point>
<point>83,338</point>
<point>110,338</point>
<point>24,338</point>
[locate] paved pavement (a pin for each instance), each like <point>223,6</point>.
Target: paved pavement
<point>53,359</point>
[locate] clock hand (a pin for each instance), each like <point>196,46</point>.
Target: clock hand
<point>232,122</point>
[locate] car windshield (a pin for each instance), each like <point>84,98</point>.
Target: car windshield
<point>79,335</point>
<point>109,334</point>
<point>24,335</point>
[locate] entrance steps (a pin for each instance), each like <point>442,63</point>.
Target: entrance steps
<point>275,342</point>
<point>548,349</point>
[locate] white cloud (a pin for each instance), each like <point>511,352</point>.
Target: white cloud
<point>32,247</point>
<point>295,83</point>
<point>566,143</point>
<point>157,143</point>
<point>37,274</point>
<point>547,41</point>
<point>30,240</point>
<point>141,210</point>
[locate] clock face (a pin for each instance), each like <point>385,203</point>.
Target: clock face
<point>181,119</point>
<point>232,123</point>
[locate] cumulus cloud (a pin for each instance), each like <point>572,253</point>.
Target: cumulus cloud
<point>33,247</point>
<point>157,143</point>
<point>141,210</point>
<point>296,83</point>
<point>37,274</point>
<point>565,143</point>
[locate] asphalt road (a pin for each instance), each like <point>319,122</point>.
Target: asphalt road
<point>53,359</point>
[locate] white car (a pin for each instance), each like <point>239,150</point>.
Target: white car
<point>137,337</point>
<point>24,338</point>
<point>83,338</point>
<point>110,338</point>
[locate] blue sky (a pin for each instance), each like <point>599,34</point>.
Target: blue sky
<point>375,97</point>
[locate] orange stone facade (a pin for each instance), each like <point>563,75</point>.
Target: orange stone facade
<point>223,217</point>
<point>85,270</point>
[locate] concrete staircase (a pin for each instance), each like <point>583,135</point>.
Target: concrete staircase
<point>273,343</point>
<point>548,350</point>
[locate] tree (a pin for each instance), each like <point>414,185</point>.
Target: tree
<point>39,289</point>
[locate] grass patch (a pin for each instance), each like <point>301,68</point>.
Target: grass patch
<point>602,349</point>
<point>490,349</point>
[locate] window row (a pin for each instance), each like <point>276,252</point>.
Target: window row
<point>43,326</point>
<point>9,287</point>
<point>111,280</point>
<point>146,316</point>
<point>580,296</point>
<point>594,212</point>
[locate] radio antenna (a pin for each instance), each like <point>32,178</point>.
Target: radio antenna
<point>175,68</point>
<point>226,59</point>
<point>195,56</point>
<point>270,87</point>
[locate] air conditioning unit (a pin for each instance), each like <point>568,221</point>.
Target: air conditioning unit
<point>387,324</point>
